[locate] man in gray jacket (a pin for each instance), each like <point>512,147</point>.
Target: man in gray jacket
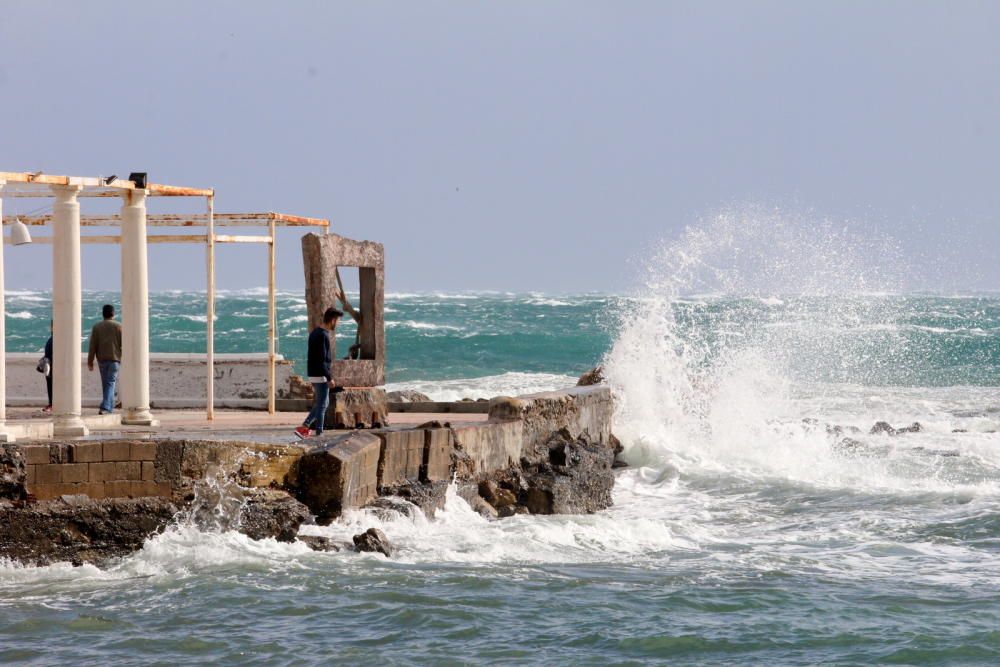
<point>106,347</point>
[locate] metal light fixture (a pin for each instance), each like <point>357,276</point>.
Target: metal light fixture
<point>19,234</point>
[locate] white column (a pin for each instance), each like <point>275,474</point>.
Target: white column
<point>66,312</point>
<point>135,311</point>
<point>5,436</point>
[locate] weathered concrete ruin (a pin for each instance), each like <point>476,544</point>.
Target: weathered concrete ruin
<point>363,403</point>
<point>87,501</point>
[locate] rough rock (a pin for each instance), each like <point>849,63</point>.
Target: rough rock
<point>483,508</point>
<point>318,543</point>
<point>387,508</point>
<point>428,497</point>
<point>79,530</point>
<point>373,540</point>
<point>408,396</point>
<point>591,377</point>
<point>885,427</point>
<point>577,478</point>
<point>272,513</point>
<point>12,472</point>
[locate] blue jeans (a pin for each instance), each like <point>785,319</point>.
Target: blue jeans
<point>109,378</point>
<point>321,400</point>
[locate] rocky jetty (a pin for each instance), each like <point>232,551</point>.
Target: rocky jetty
<point>79,530</point>
<point>91,501</point>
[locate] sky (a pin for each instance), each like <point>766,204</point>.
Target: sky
<point>515,146</point>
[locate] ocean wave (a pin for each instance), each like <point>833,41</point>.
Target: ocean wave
<point>506,384</point>
<point>538,301</point>
<point>20,315</point>
<point>422,326</point>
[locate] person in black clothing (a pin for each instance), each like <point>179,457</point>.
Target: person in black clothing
<point>319,368</point>
<point>48,376</point>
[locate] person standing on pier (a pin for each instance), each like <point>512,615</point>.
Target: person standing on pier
<point>48,374</point>
<point>106,347</point>
<point>320,369</point>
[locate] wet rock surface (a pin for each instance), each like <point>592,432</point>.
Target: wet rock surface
<point>408,396</point>
<point>78,530</point>
<point>12,472</point>
<point>318,543</point>
<point>373,540</point>
<point>576,479</point>
<point>593,376</point>
<point>888,429</point>
<point>270,513</point>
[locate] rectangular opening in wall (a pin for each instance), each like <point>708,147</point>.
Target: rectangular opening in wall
<point>357,332</point>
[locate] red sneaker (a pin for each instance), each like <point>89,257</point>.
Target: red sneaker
<point>302,432</point>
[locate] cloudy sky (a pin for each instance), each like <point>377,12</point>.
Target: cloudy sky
<point>516,145</point>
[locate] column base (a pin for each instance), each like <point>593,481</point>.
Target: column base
<point>72,427</point>
<point>138,417</point>
<point>5,435</point>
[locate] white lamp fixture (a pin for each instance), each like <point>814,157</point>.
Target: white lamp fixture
<point>19,234</point>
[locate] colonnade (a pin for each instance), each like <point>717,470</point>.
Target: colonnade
<point>67,306</point>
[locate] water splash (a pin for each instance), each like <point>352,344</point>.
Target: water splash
<point>741,322</point>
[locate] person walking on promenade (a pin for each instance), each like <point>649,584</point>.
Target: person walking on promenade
<point>48,376</point>
<point>319,366</point>
<point>106,346</point>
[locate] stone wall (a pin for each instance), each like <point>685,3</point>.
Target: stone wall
<point>351,469</point>
<point>175,380</point>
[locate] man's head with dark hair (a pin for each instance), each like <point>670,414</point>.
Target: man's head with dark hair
<point>331,314</point>
<point>108,311</point>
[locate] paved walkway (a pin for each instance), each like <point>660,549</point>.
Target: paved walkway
<point>255,425</point>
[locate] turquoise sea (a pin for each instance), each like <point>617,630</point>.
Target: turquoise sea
<point>746,531</point>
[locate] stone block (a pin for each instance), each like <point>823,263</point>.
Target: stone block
<point>357,407</point>
<point>59,452</point>
<point>48,473</point>
<point>53,491</point>
<point>35,454</point>
<point>437,455</point>
<point>142,451</point>
<point>73,473</point>
<point>29,474</point>
<point>118,489</point>
<point>148,471</point>
<point>86,452</point>
<point>101,472</point>
<point>339,474</point>
<point>117,450</point>
<point>130,470</point>
<point>401,457</point>
<point>271,466</point>
<point>492,446</point>
<point>140,489</point>
<point>93,490</point>
<point>579,410</point>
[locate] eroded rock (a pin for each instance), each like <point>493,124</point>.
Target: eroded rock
<point>79,530</point>
<point>271,513</point>
<point>373,540</point>
<point>408,396</point>
<point>593,376</point>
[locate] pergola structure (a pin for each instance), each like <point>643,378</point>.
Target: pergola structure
<point>133,221</point>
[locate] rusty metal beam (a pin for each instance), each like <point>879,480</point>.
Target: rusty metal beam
<point>196,220</point>
<point>104,189</point>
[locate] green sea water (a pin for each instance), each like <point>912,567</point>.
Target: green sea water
<point>744,532</point>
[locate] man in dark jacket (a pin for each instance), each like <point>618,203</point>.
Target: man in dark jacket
<point>319,367</point>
